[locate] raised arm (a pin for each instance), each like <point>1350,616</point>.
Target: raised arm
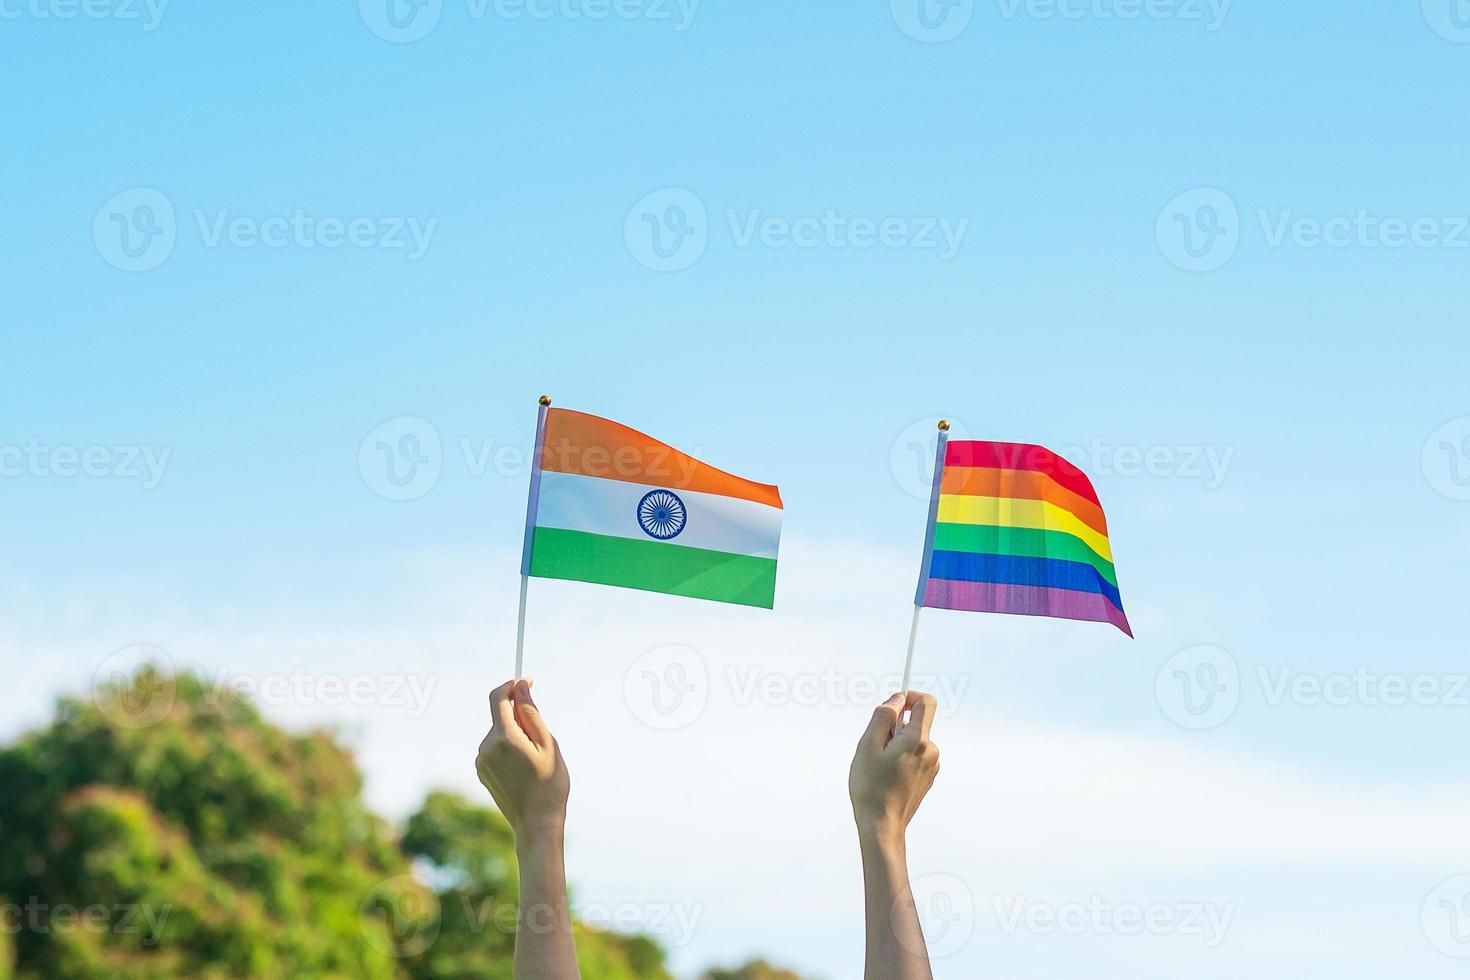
<point>889,776</point>
<point>520,764</point>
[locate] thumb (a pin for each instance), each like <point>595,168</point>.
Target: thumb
<point>880,727</point>
<point>530,718</point>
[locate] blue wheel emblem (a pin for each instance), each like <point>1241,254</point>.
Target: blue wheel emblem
<point>661,514</point>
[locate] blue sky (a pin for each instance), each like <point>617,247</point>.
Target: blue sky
<point>1295,375</point>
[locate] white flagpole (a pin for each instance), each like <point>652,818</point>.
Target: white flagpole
<point>908,663</point>
<point>533,496</point>
<point>521,630</point>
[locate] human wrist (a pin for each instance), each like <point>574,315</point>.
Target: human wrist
<point>884,837</point>
<point>547,834</point>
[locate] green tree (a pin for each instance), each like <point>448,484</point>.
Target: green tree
<point>166,830</point>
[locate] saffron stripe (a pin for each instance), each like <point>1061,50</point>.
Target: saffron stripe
<point>1021,456</point>
<point>987,481</point>
<point>961,566</point>
<point>986,539</point>
<point>587,445</point>
<point>1024,600</point>
<point>1012,512</point>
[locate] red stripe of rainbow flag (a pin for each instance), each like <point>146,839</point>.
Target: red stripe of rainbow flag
<point>1015,528</point>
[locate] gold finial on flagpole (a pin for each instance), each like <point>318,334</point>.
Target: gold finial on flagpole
<point>545,400</point>
<point>944,425</point>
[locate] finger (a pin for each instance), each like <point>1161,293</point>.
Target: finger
<point>530,718</point>
<point>922,709</point>
<point>502,712</point>
<point>880,727</point>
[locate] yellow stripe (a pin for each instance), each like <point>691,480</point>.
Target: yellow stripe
<point>1018,512</point>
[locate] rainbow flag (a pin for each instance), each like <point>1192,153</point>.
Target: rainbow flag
<point>1015,528</point>
<point>611,505</point>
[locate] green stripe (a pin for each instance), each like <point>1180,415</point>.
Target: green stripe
<point>985,539</point>
<point>654,566</point>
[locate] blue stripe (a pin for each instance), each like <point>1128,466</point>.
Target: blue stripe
<point>1049,573</point>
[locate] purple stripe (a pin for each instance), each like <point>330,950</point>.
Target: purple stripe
<point>1024,600</point>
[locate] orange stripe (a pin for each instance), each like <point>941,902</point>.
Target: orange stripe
<point>590,446</point>
<point>984,481</point>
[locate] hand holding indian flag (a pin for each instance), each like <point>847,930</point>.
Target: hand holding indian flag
<point>611,505</point>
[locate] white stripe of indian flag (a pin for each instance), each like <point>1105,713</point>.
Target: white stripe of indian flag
<point>588,530</point>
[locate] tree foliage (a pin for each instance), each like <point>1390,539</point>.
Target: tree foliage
<point>167,830</point>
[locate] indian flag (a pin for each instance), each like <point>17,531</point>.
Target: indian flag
<point>613,506</point>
